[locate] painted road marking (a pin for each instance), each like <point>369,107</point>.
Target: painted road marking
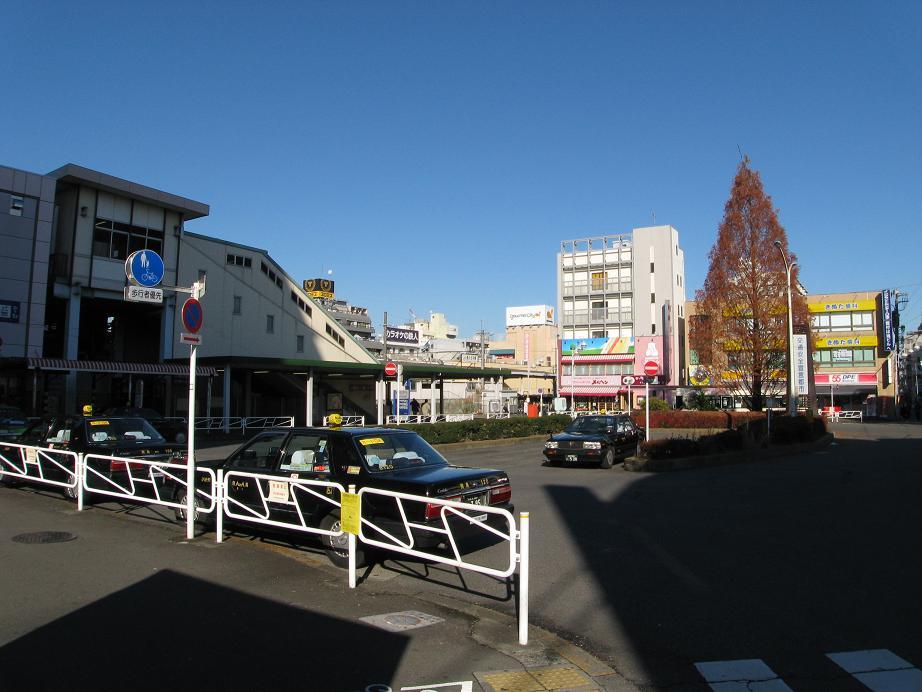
<point>880,670</point>
<point>743,675</point>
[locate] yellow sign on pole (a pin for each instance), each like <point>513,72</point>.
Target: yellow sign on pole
<point>351,513</point>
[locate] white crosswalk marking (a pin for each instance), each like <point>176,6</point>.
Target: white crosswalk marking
<point>744,675</point>
<point>880,670</point>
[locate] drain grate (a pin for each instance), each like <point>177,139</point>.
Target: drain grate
<point>44,537</point>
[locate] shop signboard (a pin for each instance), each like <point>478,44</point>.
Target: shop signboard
<point>529,316</point>
<point>801,385</point>
<point>396,335</point>
<point>614,345</point>
<point>887,301</point>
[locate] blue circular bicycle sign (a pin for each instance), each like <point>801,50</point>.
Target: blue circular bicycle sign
<point>145,268</point>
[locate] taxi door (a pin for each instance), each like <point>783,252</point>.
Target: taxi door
<point>307,456</point>
<point>259,456</point>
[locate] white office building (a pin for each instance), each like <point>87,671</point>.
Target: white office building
<point>621,304</point>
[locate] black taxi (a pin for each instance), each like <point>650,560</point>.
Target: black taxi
<point>122,437</point>
<point>384,458</point>
<point>593,439</point>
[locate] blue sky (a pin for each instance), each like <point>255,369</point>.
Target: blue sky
<point>434,154</point>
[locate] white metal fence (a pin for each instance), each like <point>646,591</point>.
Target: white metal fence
<point>56,467</point>
<point>226,424</point>
<point>347,421</point>
<point>163,483</point>
<point>143,481</point>
<point>835,416</point>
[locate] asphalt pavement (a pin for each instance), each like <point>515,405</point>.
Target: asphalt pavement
<point>116,596</point>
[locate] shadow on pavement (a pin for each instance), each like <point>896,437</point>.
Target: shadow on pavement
<point>783,560</point>
<point>172,631</point>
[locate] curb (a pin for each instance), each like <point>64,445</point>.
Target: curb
<point>639,464</point>
<point>545,650</point>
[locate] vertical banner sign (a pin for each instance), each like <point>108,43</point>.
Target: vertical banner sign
<point>800,365</point>
<point>888,320</point>
<point>526,349</point>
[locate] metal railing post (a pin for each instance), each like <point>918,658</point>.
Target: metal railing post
<point>219,506</point>
<point>523,578</point>
<point>78,470</point>
<point>351,542</point>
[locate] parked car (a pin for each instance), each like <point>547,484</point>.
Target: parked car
<point>106,436</point>
<point>388,459</point>
<point>12,422</point>
<point>173,429</point>
<point>593,440</point>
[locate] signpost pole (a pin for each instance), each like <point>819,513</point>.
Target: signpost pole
<point>646,401</point>
<point>190,451</point>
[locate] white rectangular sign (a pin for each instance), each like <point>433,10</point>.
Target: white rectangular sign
<point>194,339</point>
<point>139,294</point>
<point>529,315</point>
<point>801,376</point>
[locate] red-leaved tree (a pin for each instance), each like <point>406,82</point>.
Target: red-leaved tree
<point>740,330</point>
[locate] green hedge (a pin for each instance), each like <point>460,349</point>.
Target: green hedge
<point>483,429</point>
<point>784,430</point>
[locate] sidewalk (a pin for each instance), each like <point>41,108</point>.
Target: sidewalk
<point>130,600</point>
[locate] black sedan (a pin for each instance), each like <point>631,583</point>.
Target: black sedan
<point>108,437</point>
<point>173,429</point>
<point>593,440</point>
<point>388,459</point>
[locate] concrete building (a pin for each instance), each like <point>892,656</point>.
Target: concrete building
<point>621,306</point>
<point>854,359</point>
<point>855,351</point>
<point>71,336</point>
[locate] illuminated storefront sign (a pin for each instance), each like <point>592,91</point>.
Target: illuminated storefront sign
<point>615,345</point>
<point>846,378</point>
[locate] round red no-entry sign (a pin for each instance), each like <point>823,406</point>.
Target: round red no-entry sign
<point>390,368</point>
<point>192,315</point>
<point>651,368</point>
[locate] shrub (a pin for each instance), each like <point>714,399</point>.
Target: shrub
<point>657,404</point>
<point>484,429</point>
<point>791,429</point>
<point>673,447</point>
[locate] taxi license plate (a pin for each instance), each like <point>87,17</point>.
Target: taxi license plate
<point>480,499</point>
<point>571,457</point>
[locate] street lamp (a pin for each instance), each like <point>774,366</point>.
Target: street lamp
<point>792,403</point>
<point>575,351</point>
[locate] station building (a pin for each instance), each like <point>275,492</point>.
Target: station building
<point>69,336</point>
<point>621,301</point>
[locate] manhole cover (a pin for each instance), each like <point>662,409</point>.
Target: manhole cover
<point>44,537</point>
<point>404,620</point>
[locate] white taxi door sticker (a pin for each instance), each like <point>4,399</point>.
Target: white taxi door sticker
<point>278,491</point>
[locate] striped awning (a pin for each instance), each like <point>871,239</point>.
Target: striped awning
<point>117,367</point>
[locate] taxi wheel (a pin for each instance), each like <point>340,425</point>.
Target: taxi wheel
<point>70,494</point>
<point>180,512</point>
<point>608,459</point>
<point>337,547</point>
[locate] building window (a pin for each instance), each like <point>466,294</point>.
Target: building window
<point>653,328</point>
<point>238,300</point>
<point>270,324</point>
<point>115,240</point>
<point>239,260</point>
<point>16,205</point>
<point>652,297</point>
<point>299,343</point>
<point>651,267</point>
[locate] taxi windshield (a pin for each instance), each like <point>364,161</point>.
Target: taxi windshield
<point>106,432</point>
<point>398,450</point>
<point>588,424</point>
